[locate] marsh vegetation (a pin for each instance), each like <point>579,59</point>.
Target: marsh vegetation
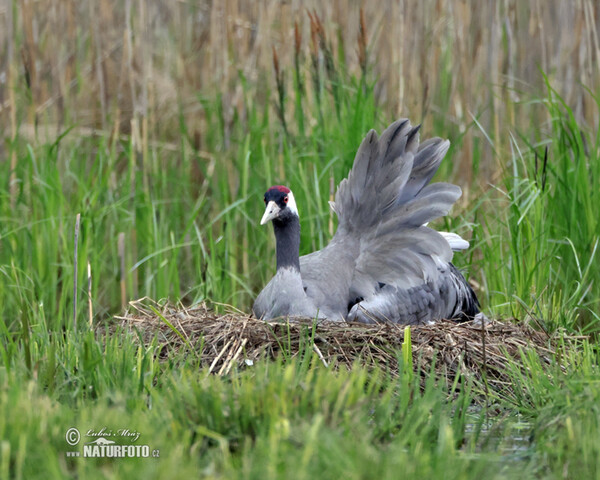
<point>161,125</point>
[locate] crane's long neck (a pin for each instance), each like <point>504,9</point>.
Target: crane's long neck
<point>287,235</point>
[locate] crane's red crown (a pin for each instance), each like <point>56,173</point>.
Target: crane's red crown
<point>279,188</point>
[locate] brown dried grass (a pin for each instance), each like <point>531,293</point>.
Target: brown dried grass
<point>102,64</point>
<point>223,342</point>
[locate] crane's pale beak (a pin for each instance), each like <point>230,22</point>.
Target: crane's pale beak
<point>271,212</point>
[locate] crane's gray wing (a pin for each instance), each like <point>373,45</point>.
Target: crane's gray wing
<point>403,271</point>
<point>448,295</point>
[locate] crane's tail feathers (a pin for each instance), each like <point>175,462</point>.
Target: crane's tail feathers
<point>389,181</point>
<point>456,242</point>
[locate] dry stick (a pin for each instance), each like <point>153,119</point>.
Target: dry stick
<point>134,255</point>
<point>13,134</point>
<point>12,107</point>
<point>591,25</point>
<point>320,355</point>
<point>235,357</point>
<point>146,169</point>
<point>28,54</point>
<point>230,354</point>
<point>121,248</point>
<point>129,45</point>
<point>90,309</point>
<point>218,357</point>
<point>98,62</point>
<point>76,241</point>
<point>331,200</point>
<point>142,99</point>
<point>484,360</point>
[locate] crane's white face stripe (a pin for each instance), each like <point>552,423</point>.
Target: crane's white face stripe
<point>292,203</point>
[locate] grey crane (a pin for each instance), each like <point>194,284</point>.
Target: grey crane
<point>383,264</point>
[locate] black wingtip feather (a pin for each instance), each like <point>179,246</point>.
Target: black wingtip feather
<point>399,127</point>
<point>412,133</point>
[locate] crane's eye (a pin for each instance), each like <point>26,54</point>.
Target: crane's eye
<point>285,199</point>
<point>265,200</point>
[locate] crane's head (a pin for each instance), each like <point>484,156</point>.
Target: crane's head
<point>280,204</point>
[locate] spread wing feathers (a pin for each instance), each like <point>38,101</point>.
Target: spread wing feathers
<point>456,242</point>
<point>427,161</point>
<point>403,270</point>
<point>432,202</point>
<point>389,178</point>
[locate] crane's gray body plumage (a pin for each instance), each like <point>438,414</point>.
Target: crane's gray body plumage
<point>383,264</point>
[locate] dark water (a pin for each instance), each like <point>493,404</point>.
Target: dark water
<point>507,434</point>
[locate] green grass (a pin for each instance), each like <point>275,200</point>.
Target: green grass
<point>188,220</point>
<point>290,418</point>
<point>545,231</point>
<point>294,419</point>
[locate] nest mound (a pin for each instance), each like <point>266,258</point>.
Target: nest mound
<point>233,340</point>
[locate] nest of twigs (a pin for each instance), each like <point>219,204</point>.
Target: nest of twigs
<point>223,342</point>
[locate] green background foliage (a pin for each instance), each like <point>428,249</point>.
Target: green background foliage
<point>162,126</point>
